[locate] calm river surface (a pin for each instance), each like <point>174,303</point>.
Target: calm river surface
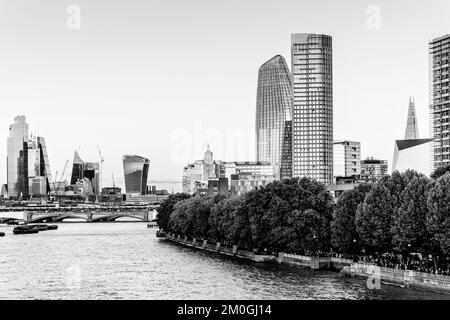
<point>126,261</point>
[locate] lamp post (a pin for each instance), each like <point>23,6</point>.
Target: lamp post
<point>354,250</point>
<point>315,244</point>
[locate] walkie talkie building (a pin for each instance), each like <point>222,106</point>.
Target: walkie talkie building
<point>136,174</point>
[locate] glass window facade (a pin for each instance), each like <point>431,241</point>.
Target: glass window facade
<point>439,97</point>
<point>136,174</point>
<point>86,170</point>
<point>347,159</point>
<point>273,114</point>
<point>16,159</point>
<point>312,123</point>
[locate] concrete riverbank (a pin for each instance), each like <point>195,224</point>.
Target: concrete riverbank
<point>314,263</point>
<point>389,276</point>
<point>404,278</point>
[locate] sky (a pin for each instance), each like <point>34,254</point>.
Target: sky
<point>165,78</point>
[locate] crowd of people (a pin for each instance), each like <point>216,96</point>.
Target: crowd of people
<point>413,262</point>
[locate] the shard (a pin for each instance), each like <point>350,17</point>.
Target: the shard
<point>412,127</point>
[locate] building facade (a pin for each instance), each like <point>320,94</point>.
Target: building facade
<point>85,173</point>
<point>28,166</point>
<point>439,100</point>
<point>136,174</point>
<point>242,183</point>
<point>17,177</point>
<point>373,169</point>
<point>198,176</point>
<point>312,124</point>
<point>274,115</point>
<point>347,159</point>
<point>218,187</point>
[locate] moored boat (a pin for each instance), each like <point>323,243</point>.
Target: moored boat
<point>160,234</point>
<point>44,227</point>
<point>25,230</point>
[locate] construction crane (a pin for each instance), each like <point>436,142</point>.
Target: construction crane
<point>101,165</point>
<point>62,176</point>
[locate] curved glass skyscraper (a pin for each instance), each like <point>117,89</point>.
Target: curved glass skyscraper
<point>136,174</point>
<point>274,114</point>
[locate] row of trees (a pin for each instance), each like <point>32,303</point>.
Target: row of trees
<point>291,215</point>
<point>402,213</point>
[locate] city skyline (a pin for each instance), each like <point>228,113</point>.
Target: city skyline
<point>50,94</point>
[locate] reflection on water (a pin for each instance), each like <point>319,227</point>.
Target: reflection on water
<point>126,261</point>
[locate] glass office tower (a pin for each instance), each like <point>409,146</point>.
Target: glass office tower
<point>44,161</point>
<point>86,170</point>
<point>17,157</point>
<point>439,76</point>
<point>136,174</point>
<point>312,125</point>
<point>412,127</point>
<point>273,114</point>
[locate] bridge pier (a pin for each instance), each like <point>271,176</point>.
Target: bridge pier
<point>28,216</point>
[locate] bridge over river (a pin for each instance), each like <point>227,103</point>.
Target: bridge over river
<point>99,214</point>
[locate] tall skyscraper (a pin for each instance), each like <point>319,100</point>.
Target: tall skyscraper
<point>412,153</point>
<point>44,161</point>
<point>86,170</point>
<point>274,115</point>
<point>17,168</point>
<point>27,164</point>
<point>136,174</point>
<point>412,127</point>
<point>312,124</point>
<point>439,100</point>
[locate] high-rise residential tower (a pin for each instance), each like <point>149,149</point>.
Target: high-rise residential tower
<point>312,122</point>
<point>274,115</point>
<point>439,100</point>
<point>136,174</point>
<point>17,166</point>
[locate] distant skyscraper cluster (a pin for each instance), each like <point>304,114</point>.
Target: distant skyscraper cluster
<point>28,167</point>
<point>29,173</point>
<point>85,176</point>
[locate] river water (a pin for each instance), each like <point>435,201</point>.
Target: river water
<point>125,260</point>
